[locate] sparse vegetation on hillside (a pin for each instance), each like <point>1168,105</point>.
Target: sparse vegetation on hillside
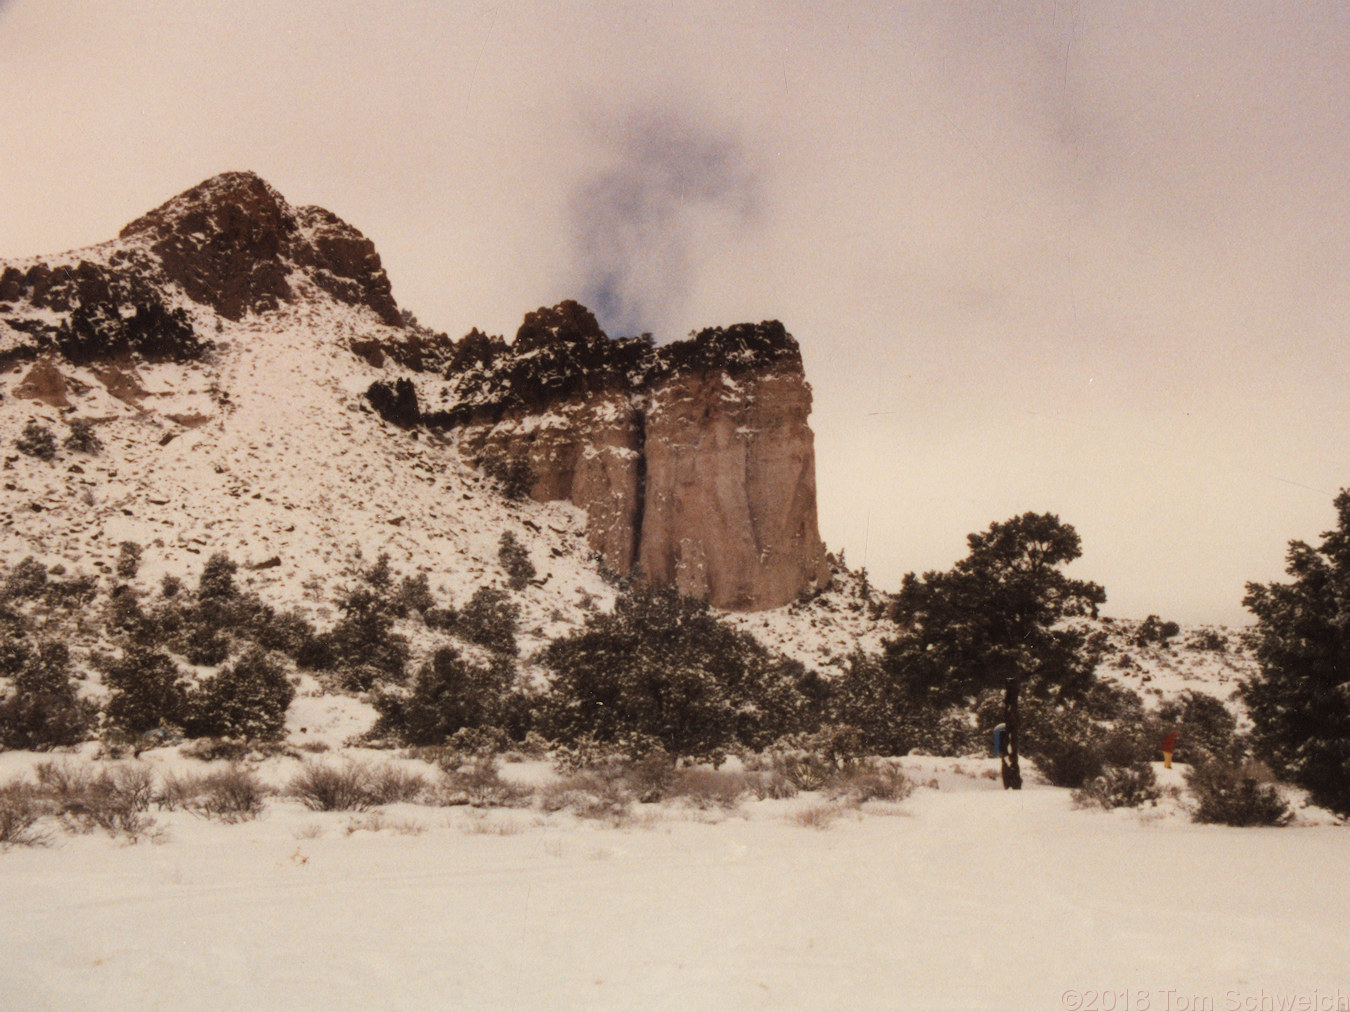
<point>83,438</point>
<point>37,440</point>
<point>514,476</point>
<point>1155,630</point>
<point>515,559</point>
<point>217,579</point>
<point>655,680</point>
<point>396,404</point>
<point>128,560</point>
<point>490,619</point>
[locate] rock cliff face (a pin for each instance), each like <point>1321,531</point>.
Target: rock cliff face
<point>694,461</point>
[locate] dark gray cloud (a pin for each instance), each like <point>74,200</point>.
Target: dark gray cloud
<point>667,189</point>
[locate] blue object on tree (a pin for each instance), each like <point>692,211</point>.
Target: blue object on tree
<point>1000,739</point>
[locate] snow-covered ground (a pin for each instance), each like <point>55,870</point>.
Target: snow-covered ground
<point>964,896</point>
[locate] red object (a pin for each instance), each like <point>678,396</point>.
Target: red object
<point>1170,742</point>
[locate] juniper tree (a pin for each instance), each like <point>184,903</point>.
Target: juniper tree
<point>664,667</point>
<point>995,620</point>
<point>44,709</point>
<point>1299,702</point>
<point>448,693</point>
<point>149,691</point>
<point>996,615</point>
<point>247,699</point>
<point>37,440</point>
<point>515,559</point>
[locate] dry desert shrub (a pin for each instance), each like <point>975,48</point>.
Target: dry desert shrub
<point>869,781</point>
<point>20,810</point>
<point>374,822</point>
<point>62,780</point>
<point>590,794</point>
<point>212,749</point>
<point>325,788</point>
<point>479,823</point>
<point>1119,787</point>
<point>114,799</point>
<point>176,790</point>
<point>231,795</point>
<point>819,815</point>
<point>826,764</point>
<point>705,789</point>
<point>355,786</point>
<point>770,785</point>
<point>477,781</point>
<point>615,780</point>
<point>390,784</point>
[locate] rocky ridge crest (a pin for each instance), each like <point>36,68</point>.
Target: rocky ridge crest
<point>228,247</point>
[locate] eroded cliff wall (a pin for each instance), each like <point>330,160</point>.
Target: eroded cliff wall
<point>694,461</point>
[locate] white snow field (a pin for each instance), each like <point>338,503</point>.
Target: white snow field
<point>964,896</point>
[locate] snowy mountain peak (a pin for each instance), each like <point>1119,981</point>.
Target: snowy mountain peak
<point>233,243</point>
<point>243,193</point>
<point>227,248</point>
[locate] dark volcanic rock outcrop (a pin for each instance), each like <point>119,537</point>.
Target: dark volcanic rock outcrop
<point>230,244</point>
<point>694,461</point>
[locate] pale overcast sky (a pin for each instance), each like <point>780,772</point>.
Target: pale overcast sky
<point>1086,258</point>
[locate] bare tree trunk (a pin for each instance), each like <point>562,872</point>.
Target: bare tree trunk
<point>1012,772</point>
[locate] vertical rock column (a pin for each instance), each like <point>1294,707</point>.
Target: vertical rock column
<point>730,512</point>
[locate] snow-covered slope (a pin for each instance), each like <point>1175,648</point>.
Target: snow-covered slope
<point>1212,660</point>
<point>220,349</point>
<point>823,630</point>
<point>266,450</point>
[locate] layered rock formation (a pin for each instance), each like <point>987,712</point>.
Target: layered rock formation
<point>694,461</point>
